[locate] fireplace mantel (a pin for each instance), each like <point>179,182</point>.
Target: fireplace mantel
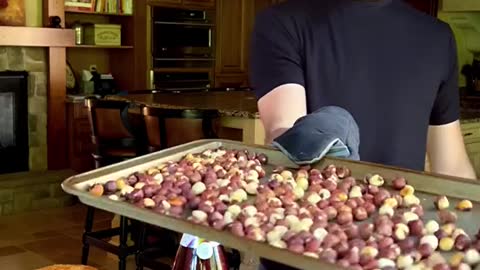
<point>36,37</point>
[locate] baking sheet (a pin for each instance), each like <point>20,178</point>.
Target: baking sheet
<point>427,186</point>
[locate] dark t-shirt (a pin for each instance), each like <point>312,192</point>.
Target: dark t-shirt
<point>392,67</point>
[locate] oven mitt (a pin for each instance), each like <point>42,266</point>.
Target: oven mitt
<point>329,131</point>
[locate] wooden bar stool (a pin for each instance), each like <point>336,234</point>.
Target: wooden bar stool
<point>170,127</point>
<point>115,133</point>
<point>167,128</point>
<point>115,141</point>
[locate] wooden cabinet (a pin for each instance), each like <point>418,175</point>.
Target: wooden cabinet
<point>233,80</point>
<point>184,3</point>
<point>235,20</point>
<point>234,25</point>
<point>80,146</point>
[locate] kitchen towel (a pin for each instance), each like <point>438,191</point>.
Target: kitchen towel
<point>329,131</point>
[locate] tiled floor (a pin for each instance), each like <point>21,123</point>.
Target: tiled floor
<point>37,239</point>
<point>47,237</point>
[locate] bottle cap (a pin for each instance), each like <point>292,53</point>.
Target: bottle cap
<point>204,251</point>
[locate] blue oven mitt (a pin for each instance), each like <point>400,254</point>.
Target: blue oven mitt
<point>329,131</point>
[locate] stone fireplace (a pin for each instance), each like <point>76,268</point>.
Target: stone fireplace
<point>35,188</point>
<point>34,61</point>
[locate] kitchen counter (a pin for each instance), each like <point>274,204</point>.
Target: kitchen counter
<point>238,109</point>
<point>240,104</point>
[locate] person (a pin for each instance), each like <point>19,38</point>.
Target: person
<point>391,66</point>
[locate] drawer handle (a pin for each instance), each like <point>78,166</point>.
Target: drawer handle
<point>467,134</point>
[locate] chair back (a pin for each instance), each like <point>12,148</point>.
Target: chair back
<point>109,120</point>
<point>171,127</point>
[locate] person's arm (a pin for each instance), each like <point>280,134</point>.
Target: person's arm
<point>280,108</point>
<point>447,153</point>
<point>445,145</point>
<point>276,73</point>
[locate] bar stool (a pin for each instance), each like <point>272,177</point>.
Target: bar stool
<point>167,128</point>
<point>115,133</point>
<point>114,141</point>
<point>184,125</point>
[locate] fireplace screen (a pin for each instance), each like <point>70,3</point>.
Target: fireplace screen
<point>14,146</point>
<point>7,134</point>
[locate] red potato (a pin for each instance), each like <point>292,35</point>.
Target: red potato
<point>399,183</point>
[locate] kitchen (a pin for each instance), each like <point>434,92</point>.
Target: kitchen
<point>210,51</point>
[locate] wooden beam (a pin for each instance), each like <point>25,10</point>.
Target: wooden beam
<point>56,118</point>
<point>53,8</point>
<point>36,37</point>
<point>56,108</point>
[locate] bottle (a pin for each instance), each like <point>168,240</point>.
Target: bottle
<point>198,254</point>
<point>211,256</point>
<point>78,27</point>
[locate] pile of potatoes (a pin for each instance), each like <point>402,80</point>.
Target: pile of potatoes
<point>325,214</point>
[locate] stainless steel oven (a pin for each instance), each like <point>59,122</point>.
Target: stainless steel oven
<point>181,81</point>
<point>183,38</point>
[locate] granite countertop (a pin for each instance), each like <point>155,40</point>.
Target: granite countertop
<point>243,103</point>
<point>233,104</point>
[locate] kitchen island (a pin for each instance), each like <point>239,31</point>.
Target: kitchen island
<point>238,109</point>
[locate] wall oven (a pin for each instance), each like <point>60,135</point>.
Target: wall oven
<point>193,81</point>
<point>183,38</point>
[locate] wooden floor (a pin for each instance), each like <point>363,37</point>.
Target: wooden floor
<point>46,237</point>
<point>41,238</point>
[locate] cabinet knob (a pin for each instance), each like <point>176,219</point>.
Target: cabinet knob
<point>467,134</point>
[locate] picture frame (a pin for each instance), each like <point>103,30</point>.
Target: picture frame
<point>12,13</point>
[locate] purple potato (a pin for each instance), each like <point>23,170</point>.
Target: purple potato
<point>194,202</point>
<point>186,188</point>
<point>149,190</point>
<point>221,207</point>
<point>110,187</point>
<point>139,204</point>
<point>172,169</point>
<point>141,177</point>
<point>158,199</point>
<point>135,196</point>
<point>176,191</point>
<point>167,184</point>
<point>132,180</point>
<point>262,158</point>
<point>170,178</point>
<point>162,191</point>
<point>176,211</point>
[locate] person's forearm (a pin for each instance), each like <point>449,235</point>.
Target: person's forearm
<point>462,169</point>
<point>273,134</point>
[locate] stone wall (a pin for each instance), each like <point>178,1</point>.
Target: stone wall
<point>27,191</point>
<point>33,60</point>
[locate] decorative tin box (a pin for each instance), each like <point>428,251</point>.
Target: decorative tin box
<point>103,34</point>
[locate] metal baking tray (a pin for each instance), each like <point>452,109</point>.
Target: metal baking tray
<point>427,186</point>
